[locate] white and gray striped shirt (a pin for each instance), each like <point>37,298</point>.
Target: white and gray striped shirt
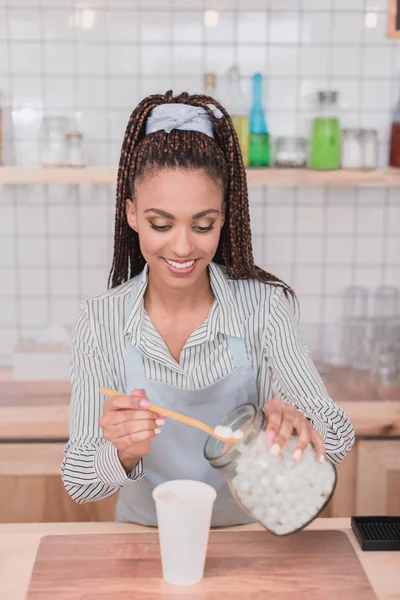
<point>257,312</point>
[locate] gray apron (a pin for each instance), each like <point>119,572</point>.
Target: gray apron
<point>177,452</point>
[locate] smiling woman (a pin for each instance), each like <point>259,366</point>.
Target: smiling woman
<point>177,242</point>
<point>189,323</point>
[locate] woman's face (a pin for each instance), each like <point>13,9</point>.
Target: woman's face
<point>178,216</point>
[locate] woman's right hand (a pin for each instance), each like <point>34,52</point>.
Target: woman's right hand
<point>129,427</point>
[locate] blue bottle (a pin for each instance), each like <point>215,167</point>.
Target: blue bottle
<point>259,152</point>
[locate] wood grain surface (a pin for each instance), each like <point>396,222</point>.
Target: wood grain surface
<point>312,565</point>
<point>39,410</point>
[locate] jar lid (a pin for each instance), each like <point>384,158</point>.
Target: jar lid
<point>352,131</point>
<point>74,134</point>
<point>328,96</point>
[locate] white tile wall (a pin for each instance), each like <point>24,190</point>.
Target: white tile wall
<point>94,61</point>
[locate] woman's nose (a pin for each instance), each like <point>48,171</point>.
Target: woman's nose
<point>182,244</point>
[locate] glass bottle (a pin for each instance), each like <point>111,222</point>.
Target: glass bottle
<point>209,84</point>
<point>356,328</point>
<point>54,141</point>
<point>259,154</point>
<point>283,494</point>
<point>236,106</point>
<point>1,131</point>
<point>325,140</point>
<point>394,158</point>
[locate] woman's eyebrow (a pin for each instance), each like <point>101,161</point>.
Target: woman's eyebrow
<point>203,213</point>
<point>160,212</point>
<point>168,215</point>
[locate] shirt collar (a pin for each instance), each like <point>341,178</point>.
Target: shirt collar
<point>134,321</point>
<point>224,316</point>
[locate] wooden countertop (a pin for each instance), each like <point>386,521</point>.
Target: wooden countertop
<point>19,543</point>
<point>40,410</point>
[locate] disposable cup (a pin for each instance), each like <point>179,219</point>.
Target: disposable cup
<point>184,508</point>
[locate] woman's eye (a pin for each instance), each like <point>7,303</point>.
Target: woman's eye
<point>160,227</point>
<point>203,229</point>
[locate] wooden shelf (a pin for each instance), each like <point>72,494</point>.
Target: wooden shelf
<point>255,177</point>
<point>42,175</point>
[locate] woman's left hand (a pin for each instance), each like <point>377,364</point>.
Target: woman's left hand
<point>283,419</point>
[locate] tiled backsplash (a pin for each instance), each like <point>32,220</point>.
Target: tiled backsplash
<point>94,61</point>
<point>56,248</point>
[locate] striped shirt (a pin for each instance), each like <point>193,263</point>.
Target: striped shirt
<point>259,313</point>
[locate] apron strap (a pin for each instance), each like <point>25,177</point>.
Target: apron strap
<point>237,348</point>
<point>133,356</point>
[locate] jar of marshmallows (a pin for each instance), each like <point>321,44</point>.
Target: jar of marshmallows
<point>282,494</point>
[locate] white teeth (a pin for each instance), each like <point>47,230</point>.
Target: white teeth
<point>180,265</point>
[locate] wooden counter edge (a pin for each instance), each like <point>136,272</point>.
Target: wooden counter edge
<point>19,543</point>
<point>51,422</point>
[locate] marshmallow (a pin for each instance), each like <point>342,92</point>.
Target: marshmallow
<point>279,492</point>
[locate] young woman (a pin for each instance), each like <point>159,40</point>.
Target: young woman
<point>189,322</point>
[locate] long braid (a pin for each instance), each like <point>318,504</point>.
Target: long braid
<point>127,255</point>
<point>220,158</point>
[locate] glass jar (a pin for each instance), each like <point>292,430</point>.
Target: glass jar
<point>385,364</point>
<point>370,148</point>
<point>356,328</point>
<point>76,157</point>
<point>352,149</point>
<point>290,152</point>
<point>282,494</point>
<point>54,146</point>
<point>325,140</point>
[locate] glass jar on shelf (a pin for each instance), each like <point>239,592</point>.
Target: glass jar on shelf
<point>352,149</point>
<point>75,152</point>
<point>369,149</point>
<point>282,494</point>
<point>53,151</point>
<point>290,152</point>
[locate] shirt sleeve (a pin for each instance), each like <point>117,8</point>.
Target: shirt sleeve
<point>91,469</point>
<point>295,379</point>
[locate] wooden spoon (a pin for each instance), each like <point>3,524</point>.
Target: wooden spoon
<point>177,416</point>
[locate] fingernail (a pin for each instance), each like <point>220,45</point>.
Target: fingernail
<point>160,421</point>
<point>321,459</point>
<point>275,449</point>
<point>144,403</point>
<point>270,436</point>
<point>157,431</point>
<point>297,454</point>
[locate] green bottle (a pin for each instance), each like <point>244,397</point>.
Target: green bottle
<point>326,137</point>
<point>259,153</point>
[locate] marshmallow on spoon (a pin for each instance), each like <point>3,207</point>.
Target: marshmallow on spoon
<point>226,432</point>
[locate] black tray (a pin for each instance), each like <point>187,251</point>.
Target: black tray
<point>377,533</point>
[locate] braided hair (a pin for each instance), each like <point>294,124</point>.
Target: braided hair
<point>220,158</point>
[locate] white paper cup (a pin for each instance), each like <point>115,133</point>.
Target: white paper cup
<point>184,509</point>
